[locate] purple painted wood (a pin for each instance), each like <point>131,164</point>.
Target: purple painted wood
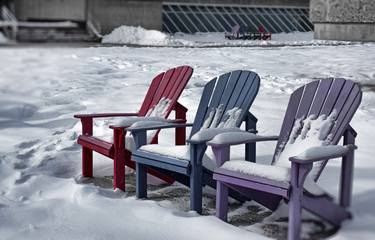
<point>250,184</point>
<point>255,179</point>
<point>318,98</point>
<point>347,168</point>
<point>325,208</point>
<point>222,201</point>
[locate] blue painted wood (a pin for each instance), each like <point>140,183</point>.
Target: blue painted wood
<point>164,159</point>
<point>141,180</point>
<point>234,89</point>
<point>160,164</point>
<point>196,155</point>
<point>250,148</point>
<point>202,107</point>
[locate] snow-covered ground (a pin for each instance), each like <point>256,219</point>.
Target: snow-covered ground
<point>127,35</point>
<point>41,193</point>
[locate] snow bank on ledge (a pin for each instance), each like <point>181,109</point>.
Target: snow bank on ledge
<point>3,39</point>
<point>142,37</point>
<point>136,35</point>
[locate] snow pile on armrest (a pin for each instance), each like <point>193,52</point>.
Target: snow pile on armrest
<point>206,134</point>
<point>147,124</point>
<point>322,151</point>
<point>129,121</point>
<point>238,137</point>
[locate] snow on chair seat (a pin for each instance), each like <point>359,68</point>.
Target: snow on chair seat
<point>181,152</point>
<point>271,172</point>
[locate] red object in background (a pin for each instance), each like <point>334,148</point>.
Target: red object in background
<point>261,29</point>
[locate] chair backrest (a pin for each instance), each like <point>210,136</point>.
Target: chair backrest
<point>324,100</point>
<point>166,86</point>
<point>231,91</point>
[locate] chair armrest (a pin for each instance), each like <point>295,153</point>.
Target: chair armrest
<point>103,115</point>
<point>236,138</point>
<point>162,125</point>
<point>322,153</point>
<point>206,134</point>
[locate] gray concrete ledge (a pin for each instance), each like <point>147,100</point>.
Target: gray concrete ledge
<point>363,32</point>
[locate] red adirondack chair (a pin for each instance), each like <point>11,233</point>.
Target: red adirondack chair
<point>166,85</point>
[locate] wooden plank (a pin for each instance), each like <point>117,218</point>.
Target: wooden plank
<point>307,99</point>
<point>216,95</point>
<point>96,144</point>
<point>239,89</point>
<point>181,83</point>
<point>150,94</point>
<point>251,81</point>
<point>249,184</point>
<point>326,209</point>
<point>228,92</point>
<point>252,178</point>
<point>162,158</point>
<point>163,84</point>
<point>288,121</point>
<point>202,108</point>
<point>320,96</point>
<point>250,96</point>
<point>332,96</point>
<point>158,164</point>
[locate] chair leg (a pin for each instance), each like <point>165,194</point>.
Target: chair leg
<point>295,210</point>
<point>119,159</point>
<point>299,173</point>
<point>221,201</point>
<point>196,189</point>
<point>87,166</point>
<point>119,169</point>
<point>141,181</point>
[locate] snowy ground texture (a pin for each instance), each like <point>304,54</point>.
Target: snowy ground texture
<point>42,195</point>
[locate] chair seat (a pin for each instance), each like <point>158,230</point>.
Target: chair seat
<point>180,152</point>
<point>271,172</point>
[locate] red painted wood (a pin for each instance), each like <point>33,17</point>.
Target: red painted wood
<point>120,154</point>
<point>167,84</point>
<point>87,165</point>
<point>180,137</point>
<point>100,115</point>
<point>150,94</point>
<point>96,144</point>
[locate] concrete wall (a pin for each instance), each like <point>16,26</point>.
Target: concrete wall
<point>113,13</point>
<point>352,20</point>
<point>74,10</point>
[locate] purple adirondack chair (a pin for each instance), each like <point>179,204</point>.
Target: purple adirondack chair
<point>317,117</point>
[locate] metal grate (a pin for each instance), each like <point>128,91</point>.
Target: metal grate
<point>191,18</point>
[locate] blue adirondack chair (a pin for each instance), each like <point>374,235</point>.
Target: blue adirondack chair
<point>317,117</point>
<point>231,92</point>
